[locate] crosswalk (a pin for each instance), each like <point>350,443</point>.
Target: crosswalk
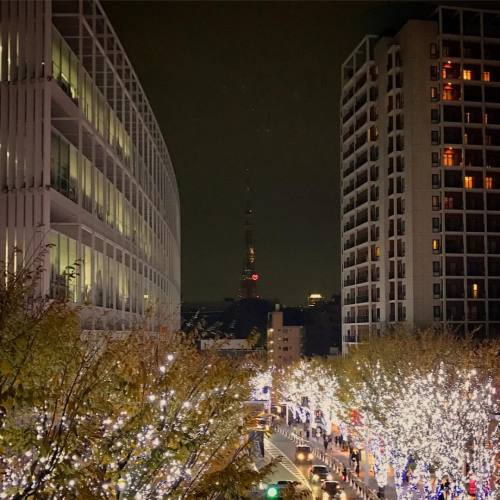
<point>275,452</point>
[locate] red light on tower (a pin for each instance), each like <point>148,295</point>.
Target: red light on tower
<point>255,277</point>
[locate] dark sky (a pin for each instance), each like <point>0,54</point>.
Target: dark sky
<point>252,85</point>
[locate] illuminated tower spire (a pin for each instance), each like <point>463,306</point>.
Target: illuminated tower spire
<point>249,276</point>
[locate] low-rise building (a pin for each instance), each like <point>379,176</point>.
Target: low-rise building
<point>284,338</point>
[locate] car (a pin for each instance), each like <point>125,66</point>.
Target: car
<point>331,490</point>
<point>303,454</point>
<point>319,474</point>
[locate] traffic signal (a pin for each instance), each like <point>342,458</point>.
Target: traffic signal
<point>272,492</point>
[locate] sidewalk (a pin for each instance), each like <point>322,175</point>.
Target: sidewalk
<point>342,457</point>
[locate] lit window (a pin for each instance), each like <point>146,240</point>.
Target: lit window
<point>435,246</point>
<point>448,158</point>
<point>488,182</point>
<point>475,290</point>
<point>436,203</point>
<point>486,76</point>
<point>449,93</point>
<point>446,66</point>
<point>467,75</point>
<point>466,139</point>
<point>468,183</point>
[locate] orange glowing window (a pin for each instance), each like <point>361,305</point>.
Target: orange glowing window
<point>486,76</point>
<point>435,245</point>
<point>468,182</point>
<point>448,158</point>
<point>488,182</point>
<point>448,94</point>
<point>467,74</point>
<point>475,290</point>
<point>377,251</point>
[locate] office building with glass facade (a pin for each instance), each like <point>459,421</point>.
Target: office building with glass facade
<point>84,167</point>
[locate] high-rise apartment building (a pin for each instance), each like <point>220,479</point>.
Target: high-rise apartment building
<point>84,166</point>
<point>420,167</point>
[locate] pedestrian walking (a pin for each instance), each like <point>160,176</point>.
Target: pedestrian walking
<point>325,443</point>
<point>344,474</point>
<point>357,468</point>
<point>308,433</point>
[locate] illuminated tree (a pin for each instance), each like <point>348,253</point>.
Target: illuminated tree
<point>423,400</point>
<point>111,416</point>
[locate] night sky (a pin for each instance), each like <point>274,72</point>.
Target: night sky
<point>253,85</point>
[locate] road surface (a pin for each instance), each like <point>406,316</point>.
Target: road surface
<point>279,445</point>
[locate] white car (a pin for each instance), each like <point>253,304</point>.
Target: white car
<point>319,474</point>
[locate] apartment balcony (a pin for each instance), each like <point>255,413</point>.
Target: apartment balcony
<point>348,152</point>
<point>361,259</point>
<point>361,159</point>
<point>360,102</point>
<point>349,263</point>
<point>349,170</point>
<point>362,298</point>
<point>348,226</point>
<point>362,179</point>
<point>361,120</point>
<point>360,82</point>
<point>361,220</point>
<point>349,300</point>
<point>362,278</point>
<point>349,244</point>
<point>361,239</point>
<point>348,115</point>
<point>362,198</point>
<point>349,189</point>
<point>363,318</point>
<point>361,140</point>
<point>349,281</point>
<point>350,206</point>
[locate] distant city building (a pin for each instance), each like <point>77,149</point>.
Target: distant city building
<point>210,316</point>
<point>284,338</point>
<point>314,298</point>
<point>420,167</point>
<point>235,318</point>
<point>322,328</point>
<point>84,167</point>
<point>231,347</point>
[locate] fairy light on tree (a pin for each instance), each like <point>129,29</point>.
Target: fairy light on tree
<point>110,416</point>
<point>414,410</point>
